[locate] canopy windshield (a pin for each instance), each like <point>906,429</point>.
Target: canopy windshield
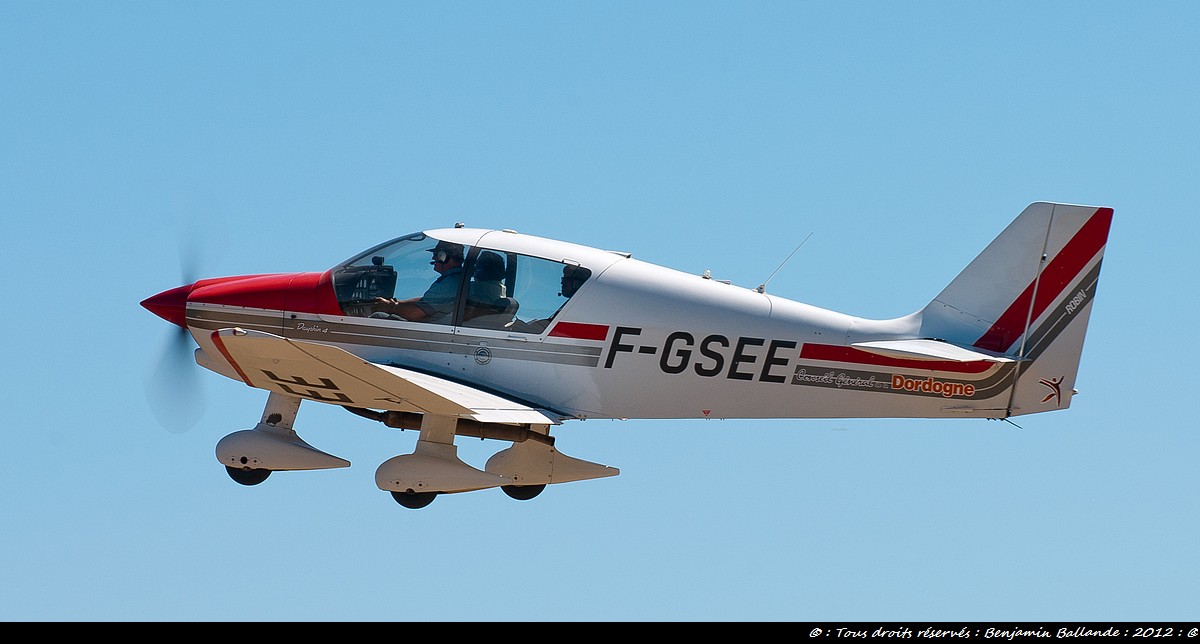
<point>419,278</point>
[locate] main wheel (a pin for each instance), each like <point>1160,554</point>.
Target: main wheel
<point>247,477</point>
<point>414,500</point>
<point>523,492</point>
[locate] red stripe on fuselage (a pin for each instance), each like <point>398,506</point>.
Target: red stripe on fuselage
<point>216,338</point>
<point>834,353</point>
<point>579,331</point>
<point>1057,276</point>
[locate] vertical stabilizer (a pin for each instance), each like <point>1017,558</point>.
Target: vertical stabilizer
<point>1028,295</point>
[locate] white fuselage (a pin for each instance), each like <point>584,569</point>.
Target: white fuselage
<point>659,343</point>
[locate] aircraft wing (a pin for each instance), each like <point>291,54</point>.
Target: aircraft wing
<point>332,375</point>
<point>929,349</point>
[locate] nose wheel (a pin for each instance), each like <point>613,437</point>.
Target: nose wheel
<point>247,476</point>
<point>414,500</point>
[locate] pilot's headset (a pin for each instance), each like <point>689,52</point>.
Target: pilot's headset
<point>444,251</point>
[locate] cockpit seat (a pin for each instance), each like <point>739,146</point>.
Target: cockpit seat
<point>496,314</point>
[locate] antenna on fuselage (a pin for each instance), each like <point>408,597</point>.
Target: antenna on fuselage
<point>762,288</point>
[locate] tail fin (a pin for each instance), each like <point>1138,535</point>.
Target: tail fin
<point>1028,295</point>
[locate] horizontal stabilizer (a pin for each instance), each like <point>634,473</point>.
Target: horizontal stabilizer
<point>929,349</point>
<point>328,374</point>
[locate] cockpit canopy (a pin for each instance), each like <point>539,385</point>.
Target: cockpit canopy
<point>457,284</point>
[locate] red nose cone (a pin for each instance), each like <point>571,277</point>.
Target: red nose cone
<point>170,305</point>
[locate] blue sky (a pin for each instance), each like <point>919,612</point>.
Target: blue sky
<point>144,141</point>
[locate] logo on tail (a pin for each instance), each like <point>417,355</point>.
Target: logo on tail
<point>1055,390</point>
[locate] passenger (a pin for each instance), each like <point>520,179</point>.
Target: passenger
<point>437,304</point>
<point>487,287</point>
<point>487,294</point>
<point>572,278</point>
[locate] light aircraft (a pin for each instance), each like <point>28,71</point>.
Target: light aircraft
<point>519,334</point>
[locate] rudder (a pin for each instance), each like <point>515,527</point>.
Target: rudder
<point>1028,295</point>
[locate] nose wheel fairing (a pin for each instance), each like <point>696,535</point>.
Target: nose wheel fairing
<point>272,445</point>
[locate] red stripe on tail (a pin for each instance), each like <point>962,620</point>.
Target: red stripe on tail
<point>1058,275</point>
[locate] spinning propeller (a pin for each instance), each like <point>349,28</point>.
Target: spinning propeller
<point>174,391</point>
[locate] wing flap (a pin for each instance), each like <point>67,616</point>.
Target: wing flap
<point>332,375</point>
<point>929,349</point>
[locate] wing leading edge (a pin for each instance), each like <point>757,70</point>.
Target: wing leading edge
<point>332,375</point>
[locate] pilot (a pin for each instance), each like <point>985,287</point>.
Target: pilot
<point>437,304</point>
